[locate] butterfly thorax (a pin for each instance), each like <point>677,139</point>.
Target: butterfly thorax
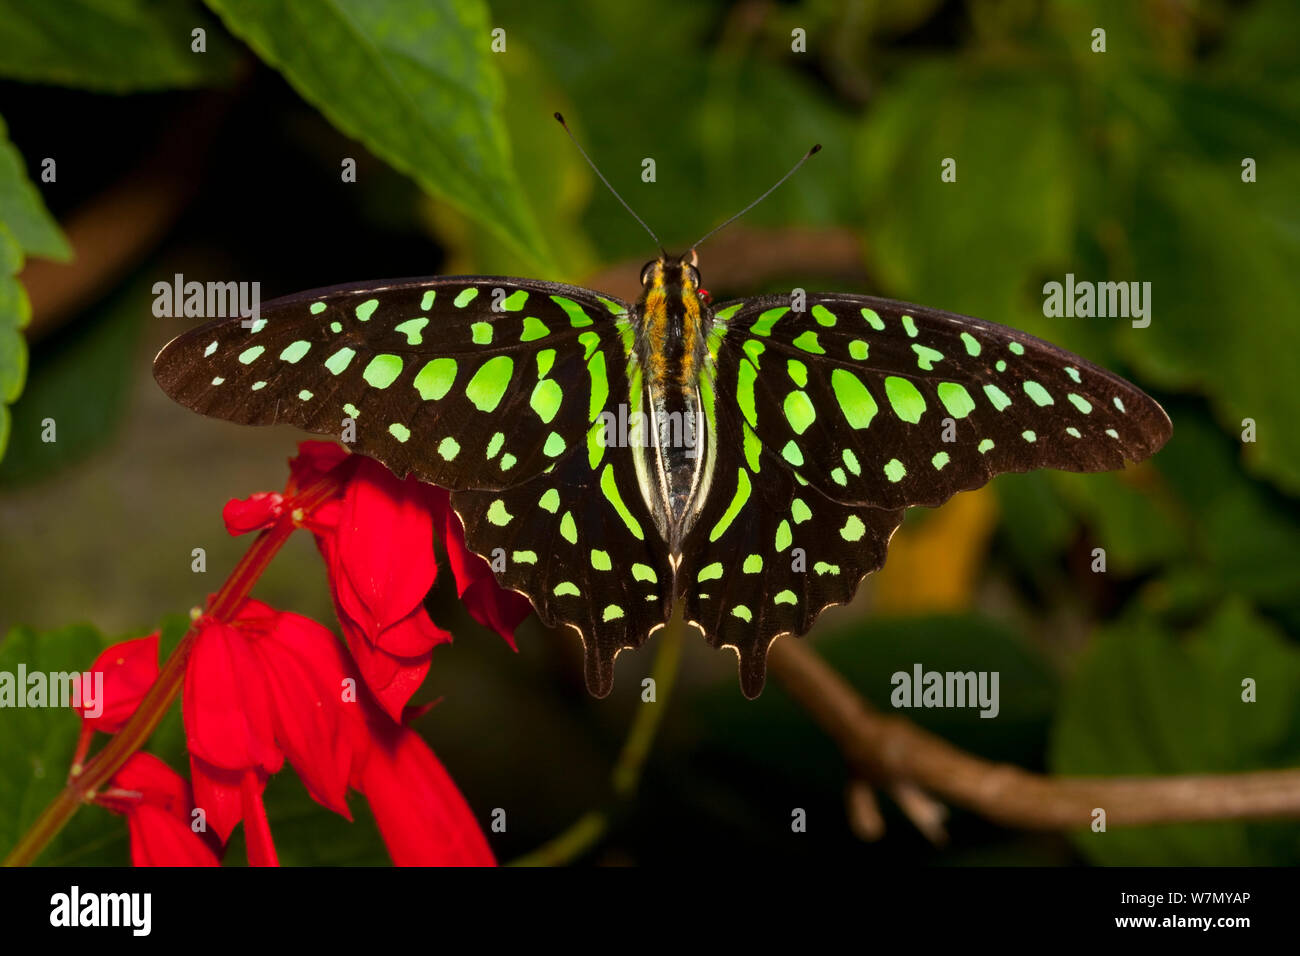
<point>672,323</point>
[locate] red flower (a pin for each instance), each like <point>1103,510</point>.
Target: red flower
<point>420,812</point>
<point>377,541</point>
<point>129,669</point>
<point>261,688</point>
<point>158,807</point>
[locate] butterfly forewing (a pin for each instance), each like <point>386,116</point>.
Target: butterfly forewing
<point>465,381</point>
<point>886,404</point>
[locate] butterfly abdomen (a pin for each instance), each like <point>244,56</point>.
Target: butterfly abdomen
<point>672,350</point>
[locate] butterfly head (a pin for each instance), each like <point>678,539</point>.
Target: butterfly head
<point>672,277</point>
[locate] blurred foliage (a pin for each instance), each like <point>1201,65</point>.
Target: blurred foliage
<point>1124,165</point>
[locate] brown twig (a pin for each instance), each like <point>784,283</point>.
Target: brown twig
<point>894,751</point>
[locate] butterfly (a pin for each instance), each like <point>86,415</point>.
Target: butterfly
<point>750,459</point>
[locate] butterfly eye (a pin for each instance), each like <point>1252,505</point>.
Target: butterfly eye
<point>647,271</point>
<point>694,275</point>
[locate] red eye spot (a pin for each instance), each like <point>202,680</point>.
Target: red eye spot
<point>704,294</point>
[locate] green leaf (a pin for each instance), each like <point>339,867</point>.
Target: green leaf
<point>117,46</point>
<point>414,82</point>
<point>21,207</point>
<point>81,378</point>
<point>1143,703</point>
<point>972,245</point>
<point>15,312</point>
<point>36,751</point>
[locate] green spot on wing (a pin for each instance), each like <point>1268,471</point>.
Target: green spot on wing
<point>609,487</point>
<point>366,309</point>
<point>823,315</point>
<point>997,397</point>
<point>533,329</point>
<point>382,370</point>
<point>799,411</point>
<point>853,529</point>
<point>768,319</point>
<point>568,530</point>
<point>399,431</point>
<point>955,399</point>
<point>972,344</point>
<point>808,342</point>
<point>578,318</point>
<point>436,378</point>
<point>449,448</point>
<point>710,572</point>
<point>905,399</point>
<point>250,355</point>
<point>550,500</point>
<point>855,401</point>
<point>873,319</point>
<point>317,308</point>
<point>1039,394</point>
<point>337,362</point>
<point>895,470</point>
<point>546,398</point>
<point>465,297</point>
<point>481,333</point>
<point>294,351</point>
<point>738,500</point>
<point>489,383</point>
<point>412,328</point>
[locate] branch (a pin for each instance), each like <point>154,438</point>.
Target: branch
<point>894,750</point>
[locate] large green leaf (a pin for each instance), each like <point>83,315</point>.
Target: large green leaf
<point>81,379</point>
<point>21,207</point>
<point>36,751</point>
<point>117,46</point>
<point>1143,703</point>
<point>15,312</point>
<point>414,82</point>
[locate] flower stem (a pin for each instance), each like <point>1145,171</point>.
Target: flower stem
<point>99,770</point>
<point>588,830</point>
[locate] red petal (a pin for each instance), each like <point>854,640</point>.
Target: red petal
<point>129,670</point>
<point>216,793</point>
<point>421,814</point>
<point>306,686</point>
<point>257,830</point>
<point>160,786</point>
<point>413,636</point>
<point>314,460</point>
<point>159,839</point>
<point>385,544</point>
<point>391,679</point>
<point>226,704</point>
<point>487,602</point>
<point>259,510</point>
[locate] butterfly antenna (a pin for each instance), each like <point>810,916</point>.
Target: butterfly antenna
<point>793,169</point>
<point>601,175</point>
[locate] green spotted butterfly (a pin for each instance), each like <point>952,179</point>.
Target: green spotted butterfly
<point>751,460</point>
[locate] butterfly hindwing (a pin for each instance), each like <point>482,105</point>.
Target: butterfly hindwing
<point>768,553</point>
<point>578,540</point>
<point>887,404</point>
<point>465,381</point>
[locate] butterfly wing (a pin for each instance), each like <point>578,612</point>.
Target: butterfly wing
<point>501,404</point>
<point>841,416</point>
<point>465,381</point>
